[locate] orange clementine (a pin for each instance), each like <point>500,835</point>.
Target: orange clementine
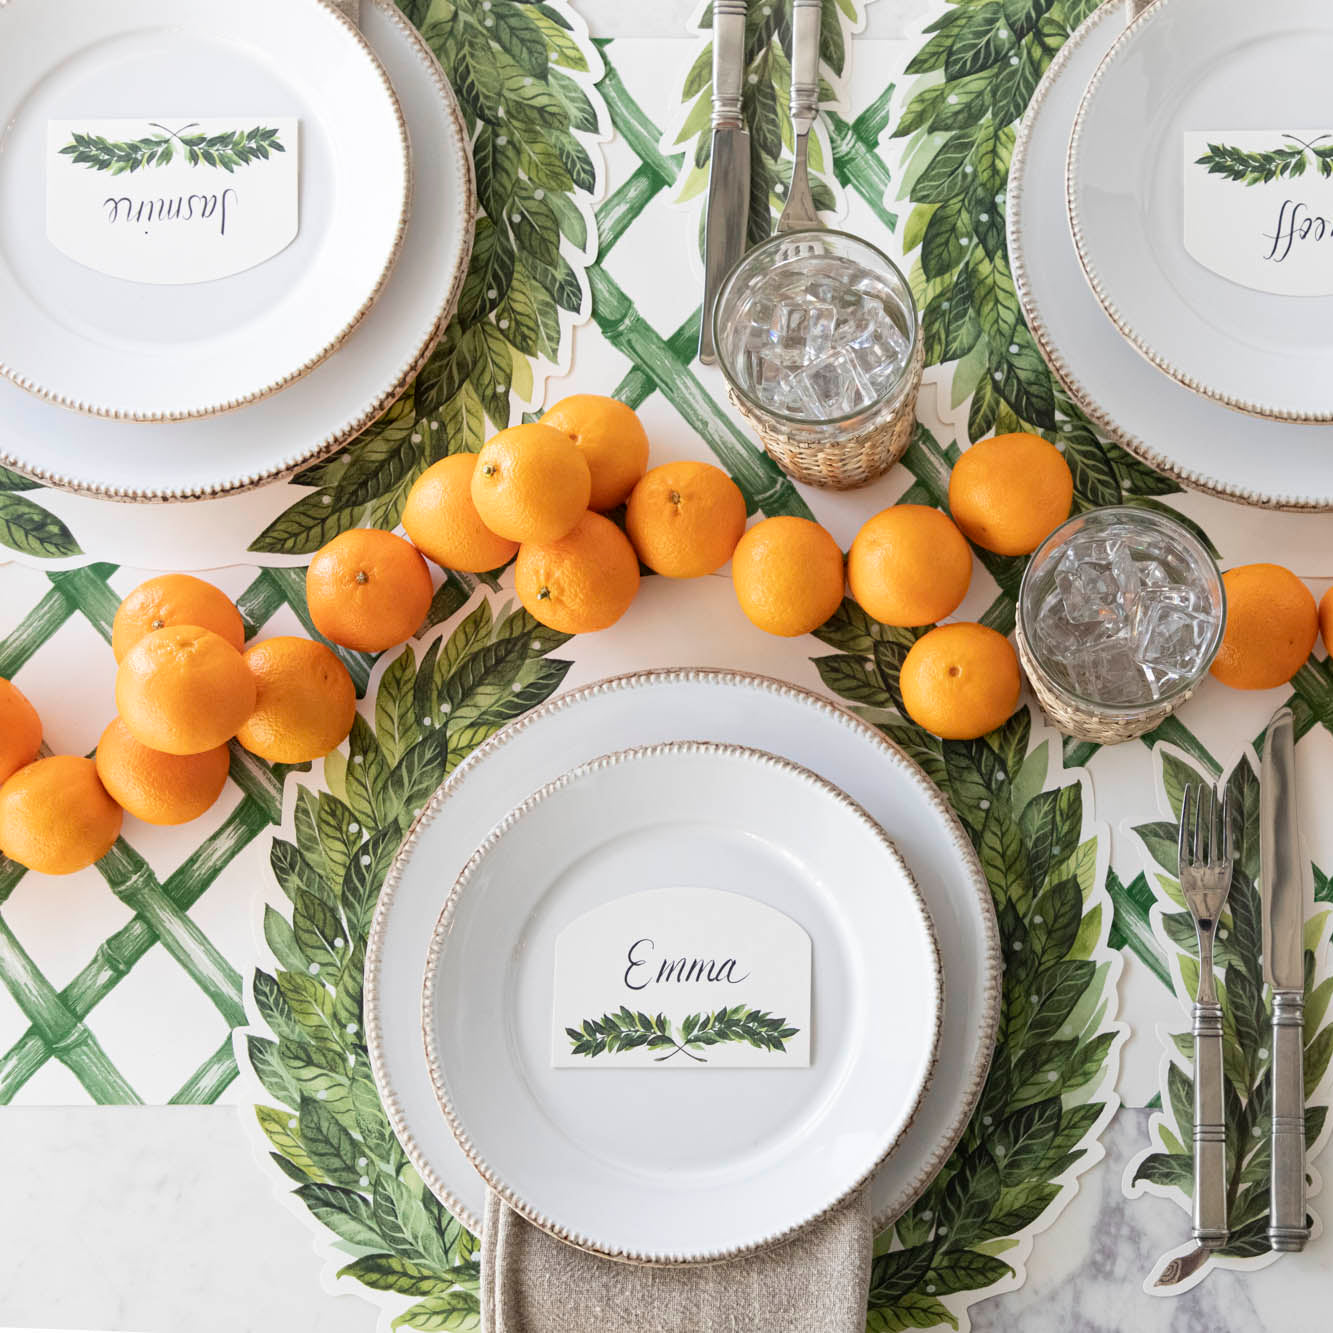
<point>184,690</point>
<point>367,589</point>
<point>788,575</point>
<point>305,701</point>
<point>610,436</point>
<point>443,523</point>
<point>909,565</point>
<point>531,484</point>
<point>1008,494</point>
<point>175,599</point>
<point>56,817</point>
<point>960,681</point>
<point>685,519</point>
<point>1272,623</point>
<point>155,787</point>
<point>581,583</point>
<point>1326,620</point>
<point>20,730</point>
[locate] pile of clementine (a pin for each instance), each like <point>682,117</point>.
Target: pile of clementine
<point>185,686</point>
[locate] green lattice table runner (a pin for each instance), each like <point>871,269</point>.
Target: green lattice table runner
<point>928,157</point>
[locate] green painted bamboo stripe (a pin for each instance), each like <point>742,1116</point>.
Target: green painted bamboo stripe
<point>765,486</point>
<point>10,875</point>
<point>874,120</point>
<point>258,604</point>
<point>634,126</point>
<point>116,956</point>
<point>1130,927</point>
<point>258,781</point>
<point>133,882</point>
<point>88,591</point>
<point>210,1080</point>
<point>638,384</point>
<point>32,632</point>
<point>859,168</point>
<point>63,1034</point>
<point>1174,732</point>
<point>623,206</point>
<point>1000,615</point>
<point>1076,753</point>
<point>1313,688</point>
<point>290,584</point>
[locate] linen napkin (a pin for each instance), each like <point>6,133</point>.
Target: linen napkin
<point>533,1283</point>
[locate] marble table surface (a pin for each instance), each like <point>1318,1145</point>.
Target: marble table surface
<point>118,1219</point>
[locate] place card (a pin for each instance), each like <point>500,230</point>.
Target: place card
<point>682,978</point>
<point>172,200</point>
<point>1259,208</point>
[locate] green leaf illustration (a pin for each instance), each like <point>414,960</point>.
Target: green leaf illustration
<point>1259,167</point>
<point>1035,1113</point>
<point>977,70</point>
<point>227,149</point>
<point>31,530</point>
<point>626,1031</point>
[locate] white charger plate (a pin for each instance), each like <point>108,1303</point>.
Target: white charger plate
<point>1199,65</point>
<point>139,352</point>
<point>340,397</point>
<point>681,1165</point>
<point>1198,442</point>
<point>673,705</point>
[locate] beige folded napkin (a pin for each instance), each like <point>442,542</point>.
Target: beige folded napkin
<point>534,1283</point>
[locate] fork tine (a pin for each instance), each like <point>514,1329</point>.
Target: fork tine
<point>1219,848</point>
<point>1228,827</point>
<point>1186,805</point>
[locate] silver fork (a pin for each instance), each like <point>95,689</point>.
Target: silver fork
<point>1206,858</point>
<point>799,212</point>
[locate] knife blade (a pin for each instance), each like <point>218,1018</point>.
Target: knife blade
<point>728,218</point>
<point>1283,893</point>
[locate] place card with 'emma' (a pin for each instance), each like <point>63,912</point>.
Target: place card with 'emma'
<point>173,200</point>
<point>1258,208</point>
<point>682,978</point>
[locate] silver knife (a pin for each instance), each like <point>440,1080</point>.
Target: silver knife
<point>728,217</point>
<point>1284,971</point>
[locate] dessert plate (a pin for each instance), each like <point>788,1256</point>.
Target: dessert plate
<point>689,1161</point>
<point>340,397</point>
<point>1209,67</point>
<point>1198,442</point>
<point>140,351</point>
<point>652,708</point>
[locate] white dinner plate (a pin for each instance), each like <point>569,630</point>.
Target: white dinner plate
<point>681,1164</point>
<point>144,352</point>
<point>652,708</point>
<point>341,396</point>
<point>1200,66</point>
<point>1198,442</point>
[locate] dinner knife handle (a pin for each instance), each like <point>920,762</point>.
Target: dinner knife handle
<point>728,64</point>
<point>806,16</point>
<point>1210,1130</point>
<point>1286,1213</point>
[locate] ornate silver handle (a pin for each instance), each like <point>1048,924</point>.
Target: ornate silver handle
<point>805,26</point>
<point>728,63</point>
<point>1210,1130</point>
<point>1286,1213</point>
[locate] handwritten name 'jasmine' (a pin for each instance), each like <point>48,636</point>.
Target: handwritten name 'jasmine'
<point>210,208</point>
<point>677,969</point>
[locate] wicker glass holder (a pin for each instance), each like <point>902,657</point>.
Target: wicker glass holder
<point>843,452</point>
<point>1068,711</point>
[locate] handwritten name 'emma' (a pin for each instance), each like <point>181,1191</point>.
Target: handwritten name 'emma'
<point>1295,223</point>
<point>640,973</point>
<point>197,208</point>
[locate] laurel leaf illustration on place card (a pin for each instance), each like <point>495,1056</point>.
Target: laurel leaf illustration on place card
<point>1280,163</point>
<point>626,1031</point>
<point>228,150</point>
